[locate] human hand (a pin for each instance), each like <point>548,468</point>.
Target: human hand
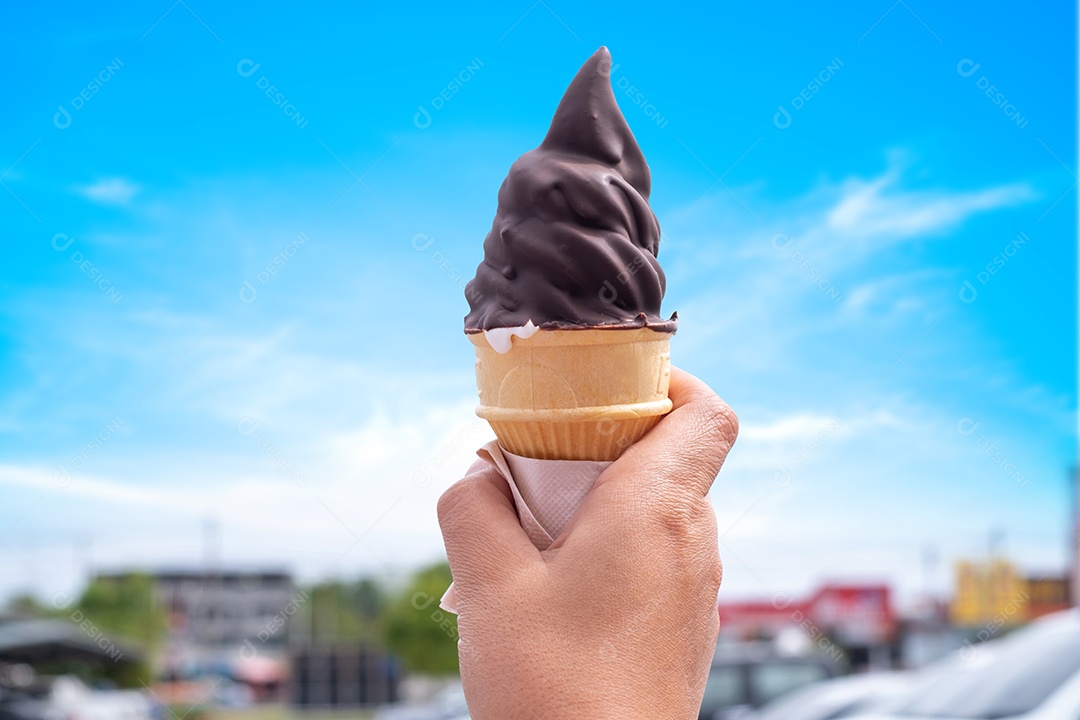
<point>617,619</point>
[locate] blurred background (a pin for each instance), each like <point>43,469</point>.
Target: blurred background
<point>233,380</point>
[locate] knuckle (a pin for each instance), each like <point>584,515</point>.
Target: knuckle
<point>716,573</point>
<point>457,497</point>
<point>719,422</point>
<point>684,523</point>
<point>715,428</point>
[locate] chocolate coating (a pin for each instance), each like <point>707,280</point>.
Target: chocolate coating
<point>574,241</point>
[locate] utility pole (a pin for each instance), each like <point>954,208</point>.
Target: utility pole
<point>211,544</point>
<point>83,544</point>
<point>211,583</point>
<point>929,567</point>
<point>996,543</point>
<point>1073,555</point>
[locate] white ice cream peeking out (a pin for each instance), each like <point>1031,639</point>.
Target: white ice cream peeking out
<point>502,339</point>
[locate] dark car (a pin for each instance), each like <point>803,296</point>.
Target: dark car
<point>749,676</point>
<point>18,699</point>
<point>25,708</point>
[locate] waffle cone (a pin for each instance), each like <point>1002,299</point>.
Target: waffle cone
<point>574,394</point>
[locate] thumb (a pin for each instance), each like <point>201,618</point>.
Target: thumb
<point>480,527</point>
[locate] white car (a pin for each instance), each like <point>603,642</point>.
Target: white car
<point>830,699</point>
<point>447,704</point>
<point>1032,674</point>
<point>74,699</point>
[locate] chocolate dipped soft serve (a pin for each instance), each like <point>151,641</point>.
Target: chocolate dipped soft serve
<point>574,241</point>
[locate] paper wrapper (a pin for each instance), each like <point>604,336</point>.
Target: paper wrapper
<point>547,493</point>
<point>574,394</point>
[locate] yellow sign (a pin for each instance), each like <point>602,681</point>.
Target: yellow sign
<point>993,593</point>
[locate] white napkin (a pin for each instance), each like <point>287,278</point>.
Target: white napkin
<point>547,493</point>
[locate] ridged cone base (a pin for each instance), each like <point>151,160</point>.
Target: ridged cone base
<point>574,394</point>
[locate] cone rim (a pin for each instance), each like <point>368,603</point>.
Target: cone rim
<point>545,337</point>
<point>626,411</point>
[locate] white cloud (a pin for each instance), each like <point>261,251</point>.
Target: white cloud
<point>838,224</point>
<point>816,270</point>
<point>796,506</point>
<point>894,296</point>
<point>367,503</point>
<point>880,209</point>
<point>801,426</point>
<point>110,191</point>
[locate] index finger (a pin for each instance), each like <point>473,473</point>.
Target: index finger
<point>690,444</point>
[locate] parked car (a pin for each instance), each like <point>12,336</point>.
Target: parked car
<point>226,692</point>
<point>749,675</point>
<point>831,699</point>
<point>1032,674</point>
<point>65,697</point>
<point>17,706</point>
<point>447,704</point>
<point>18,700</point>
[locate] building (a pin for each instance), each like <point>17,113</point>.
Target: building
<point>857,619</point>
<point>998,595</point>
<point>1047,595</point>
<point>986,592</point>
<point>927,634</point>
<point>62,643</point>
<point>343,677</point>
<point>217,618</point>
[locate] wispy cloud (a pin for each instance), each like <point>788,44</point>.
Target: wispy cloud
<point>362,498</point>
<point>881,209</point>
<point>110,191</point>
<point>836,225</point>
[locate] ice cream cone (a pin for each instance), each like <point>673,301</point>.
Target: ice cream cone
<point>574,394</point>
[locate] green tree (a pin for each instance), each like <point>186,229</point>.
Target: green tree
<point>125,610</point>
<point>125,605</point>
<point>28,605</point>
<point>368,599</point>
<point>416,630</point>
<point>344,612</point>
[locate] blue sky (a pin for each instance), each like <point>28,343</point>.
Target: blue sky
<point>236,242</point>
